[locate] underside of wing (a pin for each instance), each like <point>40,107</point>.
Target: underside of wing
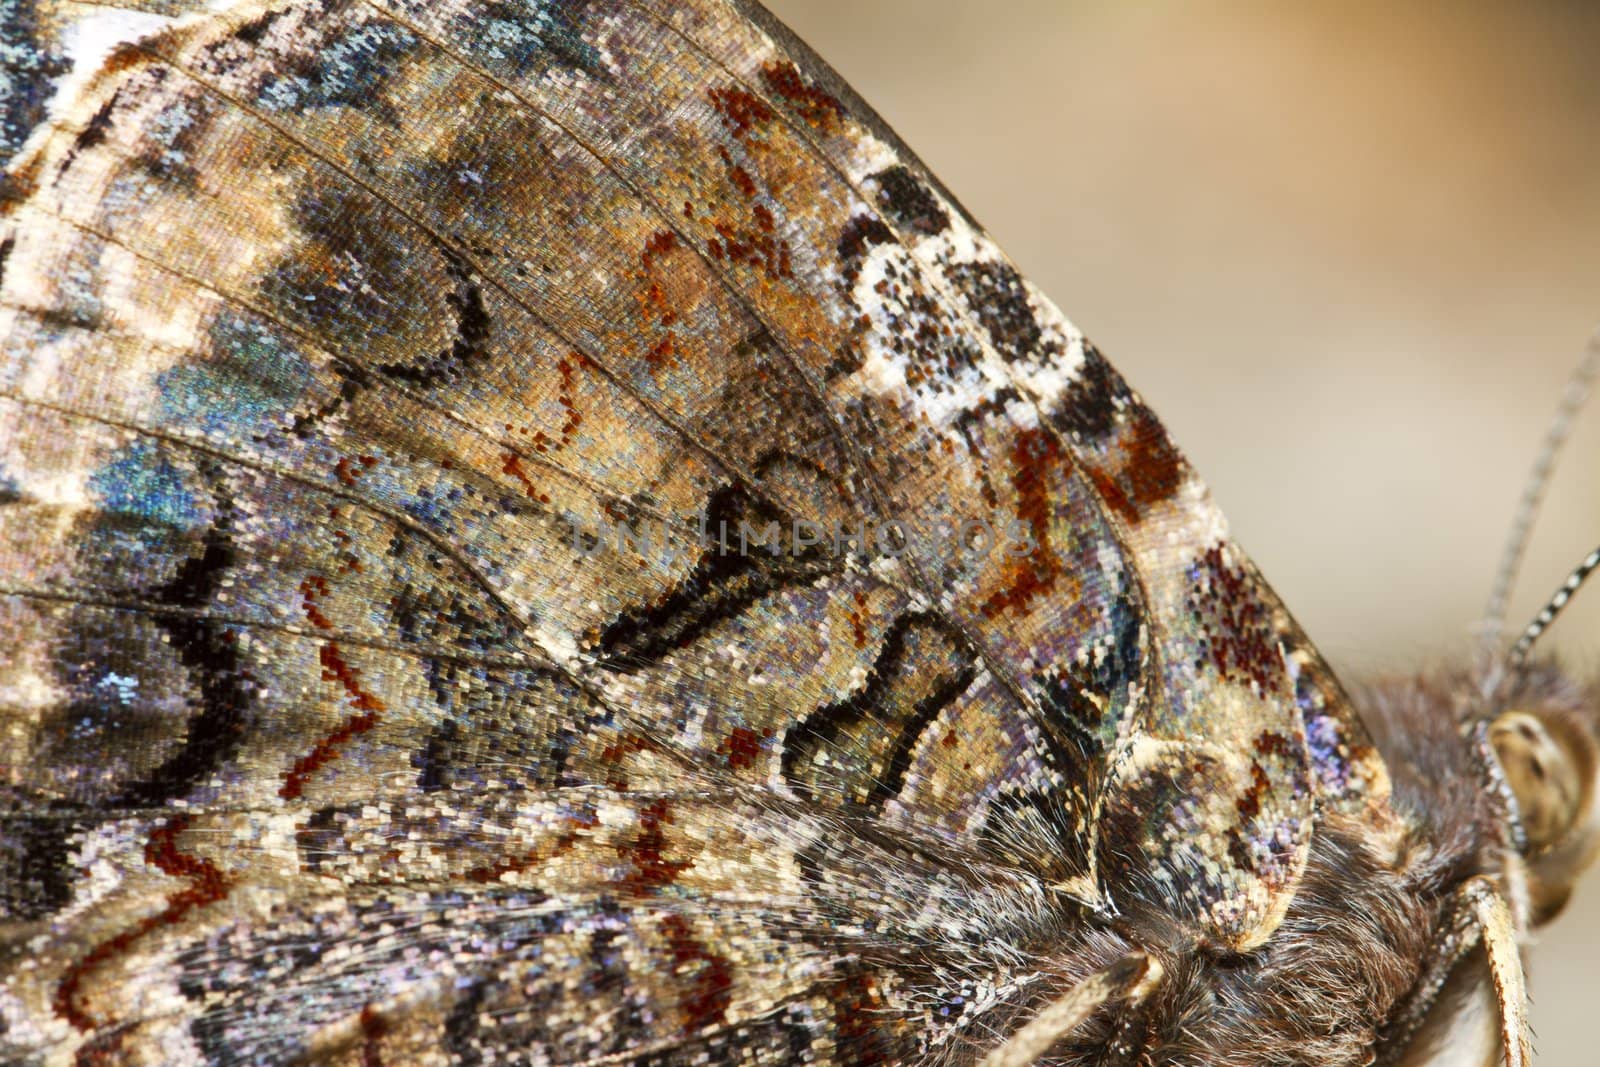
<point>1241,729</point>
<point>520,518</point>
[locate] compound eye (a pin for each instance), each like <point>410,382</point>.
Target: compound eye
<point>1542,774</point>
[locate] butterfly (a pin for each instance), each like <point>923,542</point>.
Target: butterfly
<point>539,532</point>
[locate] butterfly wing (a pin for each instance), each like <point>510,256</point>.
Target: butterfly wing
<point>344,343</point>
<point>1241,722</point>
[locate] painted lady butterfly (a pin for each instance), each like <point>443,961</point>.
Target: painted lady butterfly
<point>537,532</point>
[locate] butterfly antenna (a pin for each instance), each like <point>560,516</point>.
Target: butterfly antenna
<point>1541,622</point>
<point>1577,391</point>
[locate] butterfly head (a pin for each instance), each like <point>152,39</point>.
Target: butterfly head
<point>1547,750</point>
<point>1545,740</point>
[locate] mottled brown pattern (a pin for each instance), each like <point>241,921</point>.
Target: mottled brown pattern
<point>813,104</point>
<point>1148,471</point>
<point>488,496</point>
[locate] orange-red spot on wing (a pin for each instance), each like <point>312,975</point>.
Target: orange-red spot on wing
<point>741,111</point>
<point>742,747</point>
<point>347,472</point>
<point>810,103</point>
<point>1149,470</point>
<point>657,245</point>
<point>373,1029</point>
<point>1236,624</point>
<point>511,464</point>
<point>654,298</point>
<point>334,668</point>
<point>651,869</point>
<point>314,587</point>
<point>1034,456</point>
<point>711,986</point>
<point>858,620</point>
<point>1249,804</point>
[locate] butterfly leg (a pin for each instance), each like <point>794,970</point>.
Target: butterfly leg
<point>1129,1037</point>
<point>1130,978</point>
<point>1479,914</point>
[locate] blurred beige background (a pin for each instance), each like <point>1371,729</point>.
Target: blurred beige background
<point>1349,251</point>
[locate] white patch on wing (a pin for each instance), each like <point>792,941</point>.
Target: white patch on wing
<point>1045,373</point>
<point>88,41</point>
<point>1048,379</point>
<point>559,645</point>
<point>942,396</point>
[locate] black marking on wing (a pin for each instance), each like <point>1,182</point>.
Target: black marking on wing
<point>463,1023</point>
<point>722,584</point>
<point>610,953</point>
<point>1066,701</point>
<point>359,302</point>
<point>438,753</point>
<point>38,852</point>
<point>860,234</point>
<point>506,729</point>
<point>861,747</point>
<point>472,331</point>
<point>998,297</point>
<point>523,37</point>
<point>352,382</point>
<point>350,69</point>
<point>969,425</point>
<point>228,1031</point>
<point>36,875</point>
<point>1075,698</point>
<point>209,651</point>
<point>1088,410</point>
<point>1037,830</point>
<point>355,276</point>
<point>824,77</point>
<point>908,202</point>
<point>320,836</point>
<point>253,31</point>
<point>94,132</point>
<point>178,131</point>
